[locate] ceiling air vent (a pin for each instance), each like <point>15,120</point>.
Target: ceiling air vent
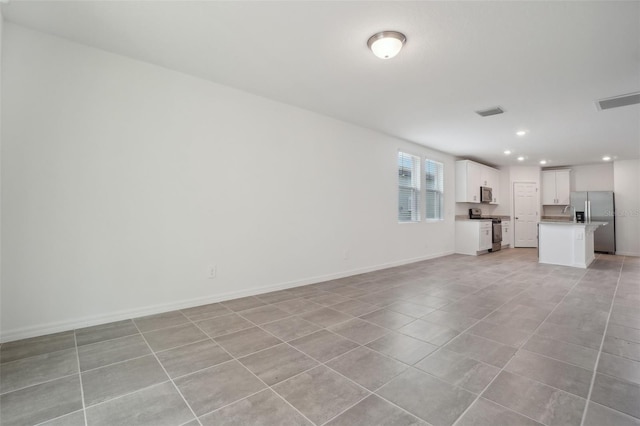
<point>490,111</point>
<point>618,101</point>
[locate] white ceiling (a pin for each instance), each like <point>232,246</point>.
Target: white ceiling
<point>544,63</point>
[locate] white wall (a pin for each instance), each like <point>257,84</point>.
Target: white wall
<point>592,177</point>
<point>627,193</point>
<point>122,182</point>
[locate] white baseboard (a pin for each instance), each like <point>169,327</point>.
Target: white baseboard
<point>88,321</point>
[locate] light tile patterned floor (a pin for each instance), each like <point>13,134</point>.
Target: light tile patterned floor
<point>495,339</point>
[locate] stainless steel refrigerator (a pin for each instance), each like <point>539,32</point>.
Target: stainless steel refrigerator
<point>598,206</point>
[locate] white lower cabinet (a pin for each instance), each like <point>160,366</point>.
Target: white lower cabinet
<point>506,233</point>
<point>485,235</point>
<point>473,236</point>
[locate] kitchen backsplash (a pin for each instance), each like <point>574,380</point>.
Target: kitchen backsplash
<point>555,211</point>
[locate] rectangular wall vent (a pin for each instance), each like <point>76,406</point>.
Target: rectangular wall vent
<point>490,111</point>
<point>618,101</point>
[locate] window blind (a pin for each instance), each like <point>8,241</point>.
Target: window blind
<point>408,187</point>
<point>434,179</point>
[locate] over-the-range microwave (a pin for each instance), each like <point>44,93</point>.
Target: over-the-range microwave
<point>486,194</point>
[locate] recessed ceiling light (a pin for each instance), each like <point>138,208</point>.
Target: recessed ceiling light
<point>386,44</point>
<point>507,152</point>
<point>543,162</point>
<point>521,132</point>
<point>521,158</point>
<point>606,158</point>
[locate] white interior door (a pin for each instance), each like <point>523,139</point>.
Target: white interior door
<point>525,209</point>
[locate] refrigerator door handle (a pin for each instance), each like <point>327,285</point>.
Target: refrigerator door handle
<point>586,211</point>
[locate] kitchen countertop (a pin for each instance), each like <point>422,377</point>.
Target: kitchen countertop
<point>466,217</point>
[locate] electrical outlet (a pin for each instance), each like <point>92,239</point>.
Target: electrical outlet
<point>213,271</point>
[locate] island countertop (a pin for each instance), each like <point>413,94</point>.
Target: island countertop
<point>566,222</point>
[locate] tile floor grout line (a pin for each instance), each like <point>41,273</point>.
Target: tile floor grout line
<point>495,341</point>
<point>126,394</point>
<point>38,384</point>
<point>234,402</point>
<point>622,356</point>
<point>255,375</point>
<point>516,352</point>
<point>542,383</point>
<point>205,368</point>
<point>604,335</point>
<point>635,419</point>
<point>217,336</point>
<point>511,410</point>
<point>3,364</point>
<point>205,318</point>
<point>167,374</point>
<point>44,423</point>
<point>564,341</point>
<point>84,408</point>
<point>346,409</point>
<point>108,340</point>
<point>183,345</point>
<point>556,359</point>
<point>115,363</point>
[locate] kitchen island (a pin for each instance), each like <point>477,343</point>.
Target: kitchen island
<point>566,243</point>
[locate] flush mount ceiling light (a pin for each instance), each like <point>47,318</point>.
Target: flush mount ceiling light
<point>543,162</point>
<point>521,132</point>
<point>507,152</point>
<point>606,158</point>
<point>386,44</point>
<point>520,158</point>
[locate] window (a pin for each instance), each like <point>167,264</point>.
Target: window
<point>434,178</point>
<point>408,187</point>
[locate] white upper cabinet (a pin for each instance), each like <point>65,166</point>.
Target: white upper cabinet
<point>563,187</point>
<point>470,176</point>
<point>556,187</point>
